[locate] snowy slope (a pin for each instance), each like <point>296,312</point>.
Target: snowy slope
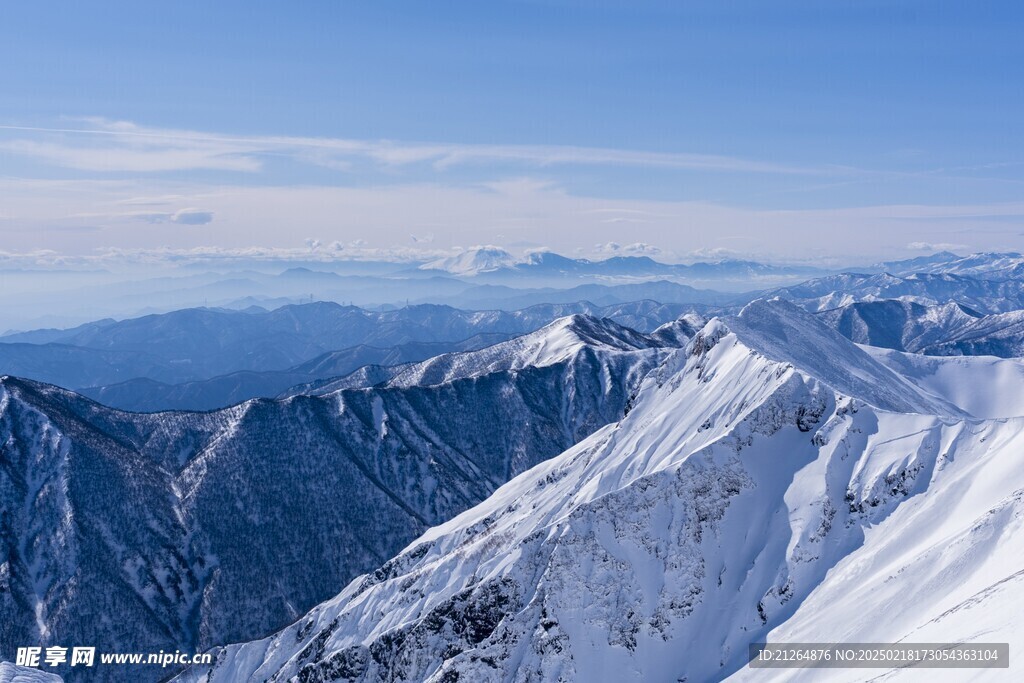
<point>983,386</point>
<point>994,335</point>
<point>201,528</point>
<point>771,480</point>
<point>9,673</point>
<point>949,329</point>
<point>679,331</point>
<point>554,343</point>
<point>898,324</point>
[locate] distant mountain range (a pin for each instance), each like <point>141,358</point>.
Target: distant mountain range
<point>946,330</point>
<point>834,291</point>
<point>202,359</point>
<point>148,395</point>
<point>494,264</point>
<point>504,297</point>
<point>32,299</point>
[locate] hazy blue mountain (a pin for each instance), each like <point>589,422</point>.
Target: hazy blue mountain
<point>254,352</point>
<point>497,266</point>
<point>503,297</point>
<point>898,324</point>
<point>76,366</point>
<point>77,297</point>
<point>835,291</point>
<point>203,528</point>
<point>147,395</point>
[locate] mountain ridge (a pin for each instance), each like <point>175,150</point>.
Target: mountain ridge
<point>738,488</point>
<point>155,516</point>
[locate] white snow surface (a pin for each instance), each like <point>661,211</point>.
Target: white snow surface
<point>551,344</point>
<point>982,386</point>
<point>772,481</point>
<point>473,261</point>
<point>10,673</point>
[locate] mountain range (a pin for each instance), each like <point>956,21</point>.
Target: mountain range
<point>494,264</point>
<point>570,491</point>
<point>33,298</point>
<point>772,481</point>
<point>202,359</point>
<point>982,295</point>
<point>203,528</point>
<point>940,330</point>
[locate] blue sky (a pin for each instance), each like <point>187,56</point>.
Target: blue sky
<point>784,130</point>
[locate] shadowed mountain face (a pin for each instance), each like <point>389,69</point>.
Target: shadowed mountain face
<point>899,325</point>
<point>203,528</point>
<point>946,330</point>
<point>147,395</point>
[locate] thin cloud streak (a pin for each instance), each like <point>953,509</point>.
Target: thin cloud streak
<point>142,149</point>
<point>520,212</point>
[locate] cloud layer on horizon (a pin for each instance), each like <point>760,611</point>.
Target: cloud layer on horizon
<point>101,187</point>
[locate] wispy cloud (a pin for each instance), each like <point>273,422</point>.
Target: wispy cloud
<point>133,158</point>
<point>103,145</point>
<point>937,246</point>
<point>379,222</point>
<point>181,217</point>
<point>634,249</point>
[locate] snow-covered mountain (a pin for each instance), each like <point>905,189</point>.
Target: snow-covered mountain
<point>929,289</point>
<point>917,264</point>
<point>473,261</point>
<point>556,343</point>
<point>1000,334</point>
<point>201,359</point>
<point>494,264</point>
<point>988,265</point>
<point>772,480</point>
<point>204,528</point>
<point>899,324</point>
<point>942,330</point>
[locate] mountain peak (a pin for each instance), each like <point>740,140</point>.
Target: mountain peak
<point>473,261</point>
<point>556,342</point>
<point>599,332</point>
<point>783,332</point>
